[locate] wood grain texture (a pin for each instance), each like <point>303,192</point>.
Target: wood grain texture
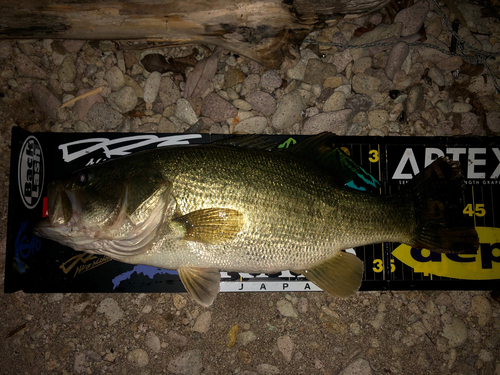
<point>259,29</point>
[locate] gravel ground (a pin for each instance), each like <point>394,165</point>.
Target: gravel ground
<point>379,90</point>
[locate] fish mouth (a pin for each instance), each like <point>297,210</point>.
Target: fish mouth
<point>63,209</point>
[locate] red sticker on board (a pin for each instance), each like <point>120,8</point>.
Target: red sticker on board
<point>45,209</point>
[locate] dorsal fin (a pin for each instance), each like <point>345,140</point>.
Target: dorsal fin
<point>322,151</point>
<point>256,142</point>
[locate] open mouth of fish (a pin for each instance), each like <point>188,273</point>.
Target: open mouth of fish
<point>63,211</point>
<point>121,237</point>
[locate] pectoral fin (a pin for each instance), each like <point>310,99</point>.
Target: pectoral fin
<point>212,225</point>
<point>340,275</point>
<point>202,284</point>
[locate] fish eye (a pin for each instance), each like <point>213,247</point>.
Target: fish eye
<point>83,177</point>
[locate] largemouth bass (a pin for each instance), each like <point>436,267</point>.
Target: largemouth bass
<point>239,207</point>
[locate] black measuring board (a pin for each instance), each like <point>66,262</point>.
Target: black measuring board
<point>39,265</point>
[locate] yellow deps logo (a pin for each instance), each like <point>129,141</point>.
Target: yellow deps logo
<point>484,265</point>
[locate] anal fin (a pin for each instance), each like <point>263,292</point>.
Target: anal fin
<point>203,284</point>
<point>340,275</point>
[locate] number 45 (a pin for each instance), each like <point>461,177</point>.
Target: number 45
<point>478,211</point>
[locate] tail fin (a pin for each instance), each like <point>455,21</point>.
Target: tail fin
<point>437,194</point>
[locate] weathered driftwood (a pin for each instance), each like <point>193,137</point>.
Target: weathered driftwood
<point>260,29</point>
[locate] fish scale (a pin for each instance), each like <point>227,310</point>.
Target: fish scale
<point>292,206</point>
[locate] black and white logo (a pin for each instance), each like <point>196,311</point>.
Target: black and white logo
<point>31,172</point>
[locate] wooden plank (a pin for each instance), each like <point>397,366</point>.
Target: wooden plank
<point>259,29</point>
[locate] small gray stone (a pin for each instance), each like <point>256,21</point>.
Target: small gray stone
<point>102,116</point>
<point>270,80</point>
<point>460,107</point>
<point>335,102</point>
<point>187,363</point>
<point>481,309</point>
<point>289,110</point>
<point>359,103</point>
<point>48,101</point>
<point>376,19</point>
<point>461,301</point>
<point>73,45</point>
<point>493,121</point>
<point>203,322</point>
<point>93,356</point>
<point>82,106</point>
<point>455,332</point>
<point>342,59</point>
<point>365,84</point>
<point>444,107</point>
<point>359,367</point>
<point>469,122</point>
<point>151,87</point>
<point>233,77</point>
<point>5,50</point>
<point>444,299</point>
<point>169,92</point>
<point>297,72</point>
<point>434,26</point>
<point>80,364</point>
<point>232,94</point>
<point>437,76</point>
<point>242,105</point>
<point>55,297</point>
<point>486,356</point>
<point>123,100</point>
<point>361,64</point>
<point>267,369</point>
<point>302,305</point>
<point>67,70</point>
<point>82,127</point>
<point>110,308</point>
<point>250,84</point>
<point>285,346</point>
<point>90,70</point>
<point>396,58</point>
<point>166,126</point>
<point>153,342</point>
<point>482,85</point>
<point>67,98</point>
<point>432,55</point>
<point>148,127</point>
<point>378,118</point>
<point>346,89</point>
<point>115,79</point>
<point>450,64</point>
<point>382,31</point>
<point>412,18</point>
<point>333,82</point>
<point>415,98</point>
<point>317,71</point>
<point>263,102</point>
<point>286,309</point>
<point>336,122</point>
<point>246,337</point>
<point>138,357</point>
<point>376,133</point>
<point>217,108</point>
<point>175,338</point>
<point>252,125</point>
<point>185,112</point>
<point>27,68</point>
